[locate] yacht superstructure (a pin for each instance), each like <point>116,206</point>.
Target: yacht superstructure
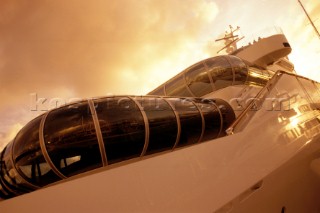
<point>231,133</point>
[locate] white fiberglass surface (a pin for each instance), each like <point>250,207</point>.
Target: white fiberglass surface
<point>287,114</point>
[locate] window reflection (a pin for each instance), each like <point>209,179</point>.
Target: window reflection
<point>28,155</point>
<point>190,119</point>
<point>240,69</point>
<point>162,124</point>
<point>221,72</point>
<point>177,87</point>
<point>257,77</point>
<point>69,133</point>
<point>5,187</point>
<point>227,114</point>
<point>198,80</point>
<point>4,194</point>
<point>68,161</point>
<point>9,175</point>
<point>71,142</point>
<point>212,119</point>
<point>122,128</point>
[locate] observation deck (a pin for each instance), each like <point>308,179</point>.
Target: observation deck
<point>95,133</point>
<point>211,75</point>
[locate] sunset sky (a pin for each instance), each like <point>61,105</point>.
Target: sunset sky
<point>78,49</point>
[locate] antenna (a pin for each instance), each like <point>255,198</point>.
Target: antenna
<point>314,27</point>
<point>230,40</point>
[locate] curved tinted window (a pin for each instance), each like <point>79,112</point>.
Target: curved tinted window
<point>190,119</point>
<point>162,124</point>
<point>227,114</point>
<point>4,193</point>
<point>221,72</point>
<point>159,91</point>
<point>212,119</point>
<point>240,69</point>
<point>198,80</point>
<point>177,87</point>
<point>28,155</point>
<point>71,142</point>
<point>6,181</point>
<point>122,128</point>
<point>70,139</point>
<point>240,76</point>
<point>9,174</point>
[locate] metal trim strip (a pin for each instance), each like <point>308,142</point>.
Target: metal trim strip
<point>178,122</point>
<point>203,122</point>
<point>146,125</point>
<point>98,132</point>
<point>44,149</point>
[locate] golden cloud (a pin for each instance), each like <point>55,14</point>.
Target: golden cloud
<point>74,48</point>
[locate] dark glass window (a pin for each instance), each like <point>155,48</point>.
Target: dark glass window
<point>122,128</point>
<point>5,184</point>
<point>71,140</point>
<point>4,194</point>
<point>177,87</point>
<point>212,119</point>
<point>240,76</point>
<point>28,156</point>
<point>221,72</point>
<point>162,124</point>
<point>190,119</point>
<point>9,174</point>
<point>198,80</point>
<point>240,69</point>
<point>286,44</point>
<point>227,113</point>
<point>158,91</point>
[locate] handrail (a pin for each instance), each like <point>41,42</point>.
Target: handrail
<point>261,96</point>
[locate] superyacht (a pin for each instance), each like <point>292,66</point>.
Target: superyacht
<point>238,132</point>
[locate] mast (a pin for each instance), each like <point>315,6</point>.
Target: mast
<point>230,40</point>
<point>314,27</point>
